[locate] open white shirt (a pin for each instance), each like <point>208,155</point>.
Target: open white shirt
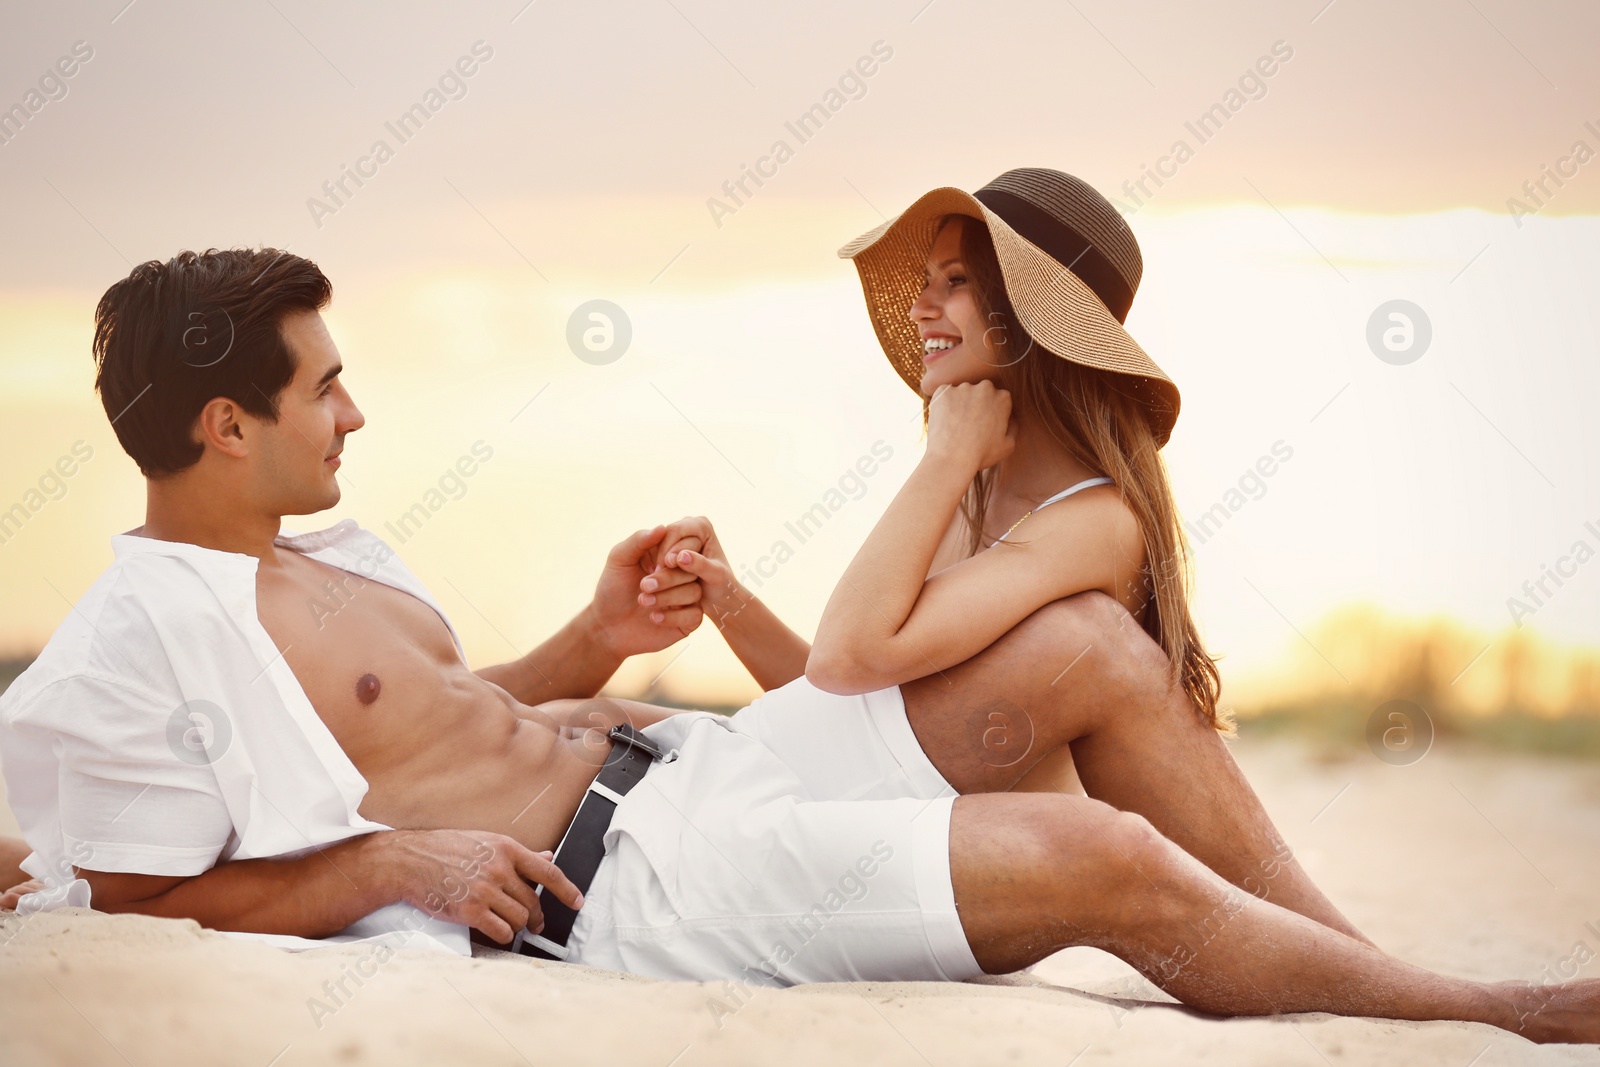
<point>161,732</point>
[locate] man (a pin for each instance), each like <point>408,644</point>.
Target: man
<point>201,740</point>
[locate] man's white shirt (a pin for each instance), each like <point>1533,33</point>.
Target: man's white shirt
<point>161,731</point>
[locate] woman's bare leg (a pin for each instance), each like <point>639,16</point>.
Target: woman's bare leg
<point>1081,673</point>
<point>1035,873</point>
<point>1056,773</point>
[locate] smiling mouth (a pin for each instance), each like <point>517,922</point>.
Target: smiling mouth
<point>934,347</point>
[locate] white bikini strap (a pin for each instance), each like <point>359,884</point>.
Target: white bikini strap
<point>1086,483</point>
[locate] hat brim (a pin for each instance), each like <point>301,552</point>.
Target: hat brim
<point>1056,308</point>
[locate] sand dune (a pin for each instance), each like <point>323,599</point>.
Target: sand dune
<point>1472,863</point>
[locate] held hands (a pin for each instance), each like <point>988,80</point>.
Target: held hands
<point>479,879</point>
<point>969,425</point>
<point>629,621</point>
<point>691,548</point>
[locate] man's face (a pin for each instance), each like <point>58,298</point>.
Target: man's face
<point>295,459</point>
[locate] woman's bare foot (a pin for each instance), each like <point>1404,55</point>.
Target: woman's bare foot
<point>9,898</point>
<point>13,850</point>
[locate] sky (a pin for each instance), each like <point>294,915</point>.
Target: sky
<point>1369,154</point>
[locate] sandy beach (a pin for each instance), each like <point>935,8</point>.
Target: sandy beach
<point>1471,862</point>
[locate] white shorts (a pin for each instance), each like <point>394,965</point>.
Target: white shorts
<point>804,839</point>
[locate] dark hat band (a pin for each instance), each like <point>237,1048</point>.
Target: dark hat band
<point>1063,244</point>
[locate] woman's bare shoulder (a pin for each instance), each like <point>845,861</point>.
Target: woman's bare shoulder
<point>1096,518</point>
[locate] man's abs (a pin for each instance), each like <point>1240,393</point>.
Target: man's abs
<point>440,747</point>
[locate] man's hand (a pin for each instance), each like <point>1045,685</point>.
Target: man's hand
<point>478,879</point>
<point>631,621</point>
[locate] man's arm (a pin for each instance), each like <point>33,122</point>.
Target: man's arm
<point>575,662</point>
<point>480,880</point>
<point>586,652</point>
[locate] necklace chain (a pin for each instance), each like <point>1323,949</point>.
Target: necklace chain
<point>1014,525</point>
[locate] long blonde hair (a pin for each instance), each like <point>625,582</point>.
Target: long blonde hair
<point>1095,417</point>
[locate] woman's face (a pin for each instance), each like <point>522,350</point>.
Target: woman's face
<point>957,344</point>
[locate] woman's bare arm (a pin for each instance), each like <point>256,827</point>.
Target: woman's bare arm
<point>1091,543</point>
<point>887,623</point>
<point>773,653</point>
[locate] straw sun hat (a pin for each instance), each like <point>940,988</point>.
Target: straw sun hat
<point>1070,264</point>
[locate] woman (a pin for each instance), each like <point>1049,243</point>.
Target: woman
<point>1042,480</point>
<point>14,881</point>
<point>1042,476</point>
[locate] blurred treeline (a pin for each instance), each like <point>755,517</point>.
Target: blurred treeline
<point>1514,689</point>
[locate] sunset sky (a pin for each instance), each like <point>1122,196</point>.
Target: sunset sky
<point>1395,152</point>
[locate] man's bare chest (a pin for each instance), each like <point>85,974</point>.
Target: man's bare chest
<point>369,657</point>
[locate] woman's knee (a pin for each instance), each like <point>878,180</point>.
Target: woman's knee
<point>1102,645</point>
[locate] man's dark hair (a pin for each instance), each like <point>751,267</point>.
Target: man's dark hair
<point>171,337</point>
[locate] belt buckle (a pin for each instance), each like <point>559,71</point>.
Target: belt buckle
<point>630,736</point>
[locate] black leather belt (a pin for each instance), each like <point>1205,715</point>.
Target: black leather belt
<point>583,845</point>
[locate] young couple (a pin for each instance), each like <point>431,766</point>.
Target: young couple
<point>903,803</point>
